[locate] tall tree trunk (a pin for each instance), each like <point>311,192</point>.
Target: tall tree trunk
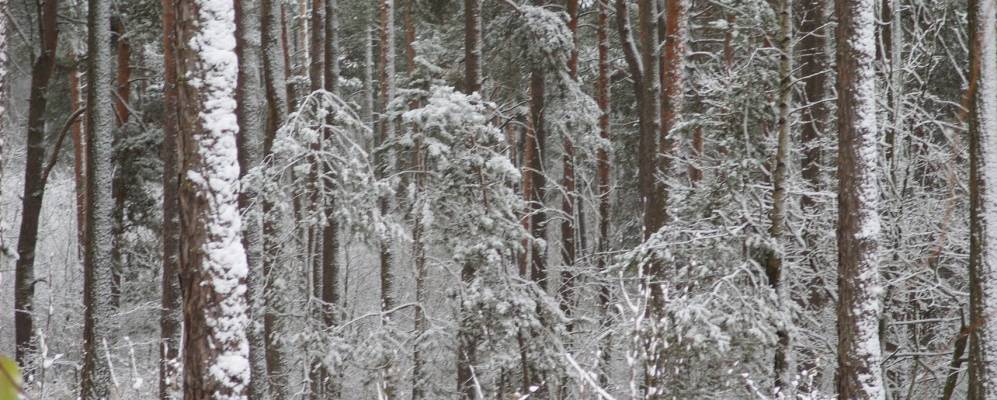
<point>330,233</point>
<point>316,74</point>
<point>386,71</point>
<point>773,263</point>
<point>536,146</point>
<point>250,112</point>
<point>169,319</point>
<point>859,374</point>
<point>983,191</point>
<point>654,147</point>
<point>472,46</point>
<point>34,186</point>
<point>569,200</point>
<point>4,100</point>
<point>120,189</point>
<point>276,90</point>
<point>98,274</point>
<point>466,342</point>
<point>213,261</point>
<point>79,155</point>
<point>603,181</point>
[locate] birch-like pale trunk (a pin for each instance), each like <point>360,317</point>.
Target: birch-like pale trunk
<point>859,355</point>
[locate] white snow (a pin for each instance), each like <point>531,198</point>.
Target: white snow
<point>217,177</point>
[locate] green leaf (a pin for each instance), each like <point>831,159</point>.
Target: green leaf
<point>10,379</point>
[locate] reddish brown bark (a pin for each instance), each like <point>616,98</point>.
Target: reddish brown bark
<point>169,322</point>
<point>34,185</point>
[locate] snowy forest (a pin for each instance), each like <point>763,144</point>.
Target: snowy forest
<point>498,199</point>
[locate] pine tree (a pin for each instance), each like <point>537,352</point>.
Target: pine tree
<point>98,265</point>
<point>213,261</point>
<point>859,373</point>
<point>34,184</point>
<point>983,111</point>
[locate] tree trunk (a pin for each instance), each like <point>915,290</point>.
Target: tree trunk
<point>79,154</point>
<point>275,89</point>
<point>98,264</point>
<point>466,342</point>
<point>316,74</point>
<point>859,374</point>
<point>569,200</point>
<point>169,319</point>
<point>250,113</point>
<point>34,186</point>
<point>982,186</point>
<point>213,261</point>
<point>602,175</point>
<point>472,46</point>
<point>386,71</point>
<point>773,263</point>
<point>120,189</point>
<point>330,233</point>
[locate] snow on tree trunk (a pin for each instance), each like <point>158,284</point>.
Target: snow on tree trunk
<point>98,262</point>
<point>859,374</point>
<point>4,97</point>
<point>983,193</point>
<point>213,260</point>
<point>250,113</point>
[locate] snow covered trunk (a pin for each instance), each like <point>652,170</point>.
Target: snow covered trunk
<point>777,216</point>
<point>4,88</point>
<point>169,318</point>
<point>859,374</point>
<point>34,185</point>
<point>983,194</point>
<point>98,262</point>
<point>250,114</point>
<point>213,260</point>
